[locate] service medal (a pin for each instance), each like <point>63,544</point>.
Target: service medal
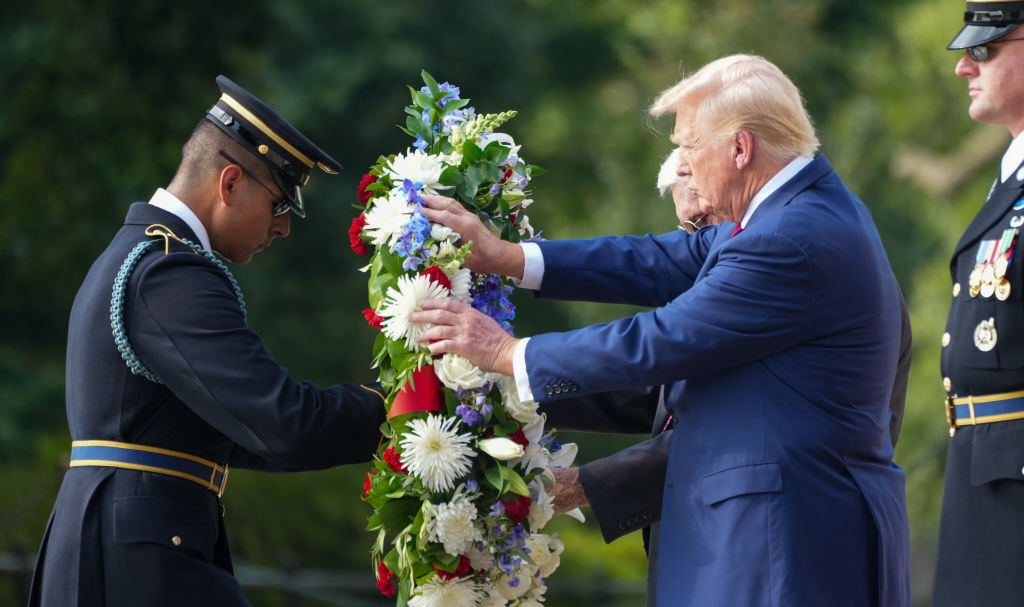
<point>1000,266</point>
<point>1003,289</point>
<point>985,336</point>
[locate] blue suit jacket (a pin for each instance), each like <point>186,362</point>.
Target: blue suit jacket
<point>779,346</point>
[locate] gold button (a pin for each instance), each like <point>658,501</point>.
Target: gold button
<point>176,540</point>
<point>945,339</point>
<point>956,290</point>
<point>947,384</point>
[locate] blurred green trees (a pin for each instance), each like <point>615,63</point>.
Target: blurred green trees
<point>98,97</point>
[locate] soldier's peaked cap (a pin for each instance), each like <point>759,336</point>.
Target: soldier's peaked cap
<point>985,21</point>
<point>250,122</point>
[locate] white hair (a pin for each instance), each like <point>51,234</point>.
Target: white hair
<point>667,173</point>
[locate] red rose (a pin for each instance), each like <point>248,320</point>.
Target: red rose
<point>394,460</point>
<point>519,437</point>
<point>437,275</point>
<point>354,238</point>
<point>517,509</point>
<point>385,582</point>
<point>368,483</point>
<point>461,571</point>
<point>373,319</point>
<point>361,192</point>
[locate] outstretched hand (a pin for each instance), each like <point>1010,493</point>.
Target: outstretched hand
<point>491,254</point>
<point>458,328</point>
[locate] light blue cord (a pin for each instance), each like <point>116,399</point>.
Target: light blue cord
<point>117,302</point>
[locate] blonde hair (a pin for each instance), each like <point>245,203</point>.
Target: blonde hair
<point>744,93</point>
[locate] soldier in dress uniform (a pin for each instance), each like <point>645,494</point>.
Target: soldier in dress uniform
<point>168,386</point>
<point>981,539</point>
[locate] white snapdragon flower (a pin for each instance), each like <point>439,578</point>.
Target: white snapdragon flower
<point>417,167</point>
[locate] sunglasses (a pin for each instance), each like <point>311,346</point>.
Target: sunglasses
<point>290,199</point>
<point>981,52</point>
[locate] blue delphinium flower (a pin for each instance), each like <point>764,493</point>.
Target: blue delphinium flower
<point>490,296</point>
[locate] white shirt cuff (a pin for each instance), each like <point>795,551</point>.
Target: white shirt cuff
<point>519,371</point>
<point>533,267</point>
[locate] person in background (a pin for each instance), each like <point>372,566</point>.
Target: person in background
<point>776,333</point>
<point>168,386</point>
<point>981,541</point>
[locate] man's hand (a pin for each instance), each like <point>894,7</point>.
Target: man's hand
<point>491,254</point>
<point>567,492</point>
<point>460,329</point>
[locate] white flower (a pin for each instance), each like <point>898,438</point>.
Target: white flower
<point>417,167</point>
<point>438,592</point>
<point>442,233</point>
<point>400,303</point>
<point>462,280</point>
<point>524,224</point>
<point>492,600</point>
<point>434,452</point>
<point>454,524</point>
<point>386,218</point>
<point>479,559</point>
<point>511,587</point>
<point>541,506</point>
<point>555,548</point>
<point>520,411</point>
<point>457,373</point>
<point>500,448</point>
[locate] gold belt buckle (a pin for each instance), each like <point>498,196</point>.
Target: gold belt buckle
<point>951,415</point>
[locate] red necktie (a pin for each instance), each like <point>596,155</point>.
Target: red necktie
<point>736,230</point>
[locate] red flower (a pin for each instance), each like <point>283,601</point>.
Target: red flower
<point>385,582</point>
<point>354,239</point>
<point>517,509</point>
<point>437,275</point>
<point>461,571</point>
<point>519,437</point>
<point>373,319</point>
<point>394,460</point>
<point>361,192</point>
<point>368,483</point>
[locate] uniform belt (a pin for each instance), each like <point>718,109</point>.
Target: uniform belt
<point>150,459</point>
<point>974,410</point>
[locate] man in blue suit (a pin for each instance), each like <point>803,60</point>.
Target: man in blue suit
<point>168,386</point>
<point>777,334</point>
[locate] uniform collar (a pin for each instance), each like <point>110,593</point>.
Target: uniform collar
<point>172,204</point>
<point>1013,158</point>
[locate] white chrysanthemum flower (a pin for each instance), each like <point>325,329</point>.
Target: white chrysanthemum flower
<point>456,592</point>
<point>541,506</point>
<point>493,599</point>
<point>454,524</point>
<point>418,167</point>
<point>400,303</point>
<point>462,281</point>
<point>435,453</point>
<point>520,411</point>
<point>500,448</point>
<point>457,373</point>
<point>386,217</point>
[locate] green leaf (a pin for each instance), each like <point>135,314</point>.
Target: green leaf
<point>515,482</point>
<point>495,478</point>
<point>397,514</point>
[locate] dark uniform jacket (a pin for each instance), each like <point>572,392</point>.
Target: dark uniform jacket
<point>981,538</point>
<point>127,537</point>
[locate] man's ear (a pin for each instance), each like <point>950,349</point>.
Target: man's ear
<point>229,183</point>
<point>743,148</point>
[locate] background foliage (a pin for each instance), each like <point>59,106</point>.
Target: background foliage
<point>98,97</point>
